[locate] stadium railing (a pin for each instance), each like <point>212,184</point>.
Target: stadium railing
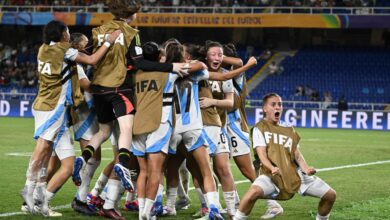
<point>252,103</point>
<point>213,10</point>
<point>17,96</point>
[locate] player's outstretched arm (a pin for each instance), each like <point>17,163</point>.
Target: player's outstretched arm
<point>233,73</point>
<point>226,103</point>
<point>95,58</point>
<point>234,61</point>
<point>195,66</point>
<point>302,163</point>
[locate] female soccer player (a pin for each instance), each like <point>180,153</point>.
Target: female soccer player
<point>284,170</point>
<point>50,106</point>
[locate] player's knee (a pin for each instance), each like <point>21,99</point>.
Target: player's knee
<point>67,170</point>
<point>224,171</point>
<point>256,193</point>
<point>330,196</point>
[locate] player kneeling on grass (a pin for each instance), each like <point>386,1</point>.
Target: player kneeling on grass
<point>284,170</point>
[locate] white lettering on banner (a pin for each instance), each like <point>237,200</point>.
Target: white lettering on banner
<point>258,114</point>
<point>291,119</point>
<point>388,121</point>
<point>377,120</point>
<point>316,118</point>
<point>346,119</point>
<point>303,118</point>
<point>373,120</point>
<point>332,117</point>
<point>5,108</point>
<point>23,107</point>
<point>361,120</point>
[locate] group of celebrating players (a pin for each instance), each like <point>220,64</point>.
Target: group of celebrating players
<point>170,110</point>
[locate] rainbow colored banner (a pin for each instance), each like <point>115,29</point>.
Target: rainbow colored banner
<point>204,20</point>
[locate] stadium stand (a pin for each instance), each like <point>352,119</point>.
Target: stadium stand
<point>360,74</point>
<point>208,3</point>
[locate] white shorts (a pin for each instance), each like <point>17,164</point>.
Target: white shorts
<point>216,140</point>
<point>192,140</point>
<point>156,141</point>
<point>238,140</point>
<point>48,123</point>
<point>63,146</point>
<point>310,185</point>
<point>52,126</point>
<point>87,125</point>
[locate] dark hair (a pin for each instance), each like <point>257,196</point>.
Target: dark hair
<point>269,95</point>
<point>195,51</point>
<point>230,50</point>
<point>210,44</point>
<point>151,51</point>
<point>75,39</point>
<point>174,53</point>
<point>53,31</point>
<point>170,40</point>
<point>124,8</point>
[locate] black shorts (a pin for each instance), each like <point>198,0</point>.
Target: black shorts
<point>112,103</point>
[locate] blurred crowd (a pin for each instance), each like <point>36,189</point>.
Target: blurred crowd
<point>204,3</point>
<point>18,65</point>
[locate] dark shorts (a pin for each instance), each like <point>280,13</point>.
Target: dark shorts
<point>112,103</point>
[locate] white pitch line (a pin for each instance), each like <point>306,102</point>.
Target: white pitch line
<point>236,182</point>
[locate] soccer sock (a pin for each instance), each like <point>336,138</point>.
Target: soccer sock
<point>88,152</point>
<point>237,199</point>
<point>160,191</point>
<point>213,200</point>
<point>201,197</point>
<point>320,217</point>
<point>48,197</point>
<point>113,188</point>
<point>239,216</point>
<point>171,197</point>
<point>273,204</point>
<point>119,197</point>
<point>29,189</point>
<point>148,207</point>
<point>141,204</point>
<point>86,176</point>
<point>99,185</point>
<point>124,157</point>
<point>39,192</point>
<point>230,202</point>
<point>131,196</point>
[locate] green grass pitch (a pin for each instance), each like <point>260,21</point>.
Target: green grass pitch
<point>362,192</point>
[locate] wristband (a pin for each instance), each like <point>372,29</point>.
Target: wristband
<point>107,44</point>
